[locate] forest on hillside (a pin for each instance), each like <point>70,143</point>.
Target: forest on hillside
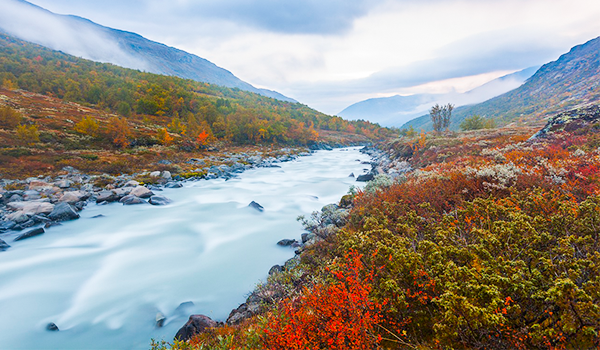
<point>174,110</point>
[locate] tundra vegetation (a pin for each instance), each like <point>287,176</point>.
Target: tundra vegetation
<point>493,242</point>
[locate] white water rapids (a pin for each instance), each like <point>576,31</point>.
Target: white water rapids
<point>103,280</point>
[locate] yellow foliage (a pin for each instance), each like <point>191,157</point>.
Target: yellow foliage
<point>87,126</point>
<point>28,134</point>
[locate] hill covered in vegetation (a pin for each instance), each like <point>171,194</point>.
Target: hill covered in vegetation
<point>490,242</point>
<point>57,106</point>
<point>571,81</point>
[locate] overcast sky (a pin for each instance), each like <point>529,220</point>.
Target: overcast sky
<point>332,53</point>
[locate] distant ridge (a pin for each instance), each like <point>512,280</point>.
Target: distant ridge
<point>81,37</point>
<point>571,81</point>
<point>396,110</point>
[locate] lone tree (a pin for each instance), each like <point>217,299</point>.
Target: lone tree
<point>440,116</point>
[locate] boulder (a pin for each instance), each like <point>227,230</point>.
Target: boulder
<point>351,175</point>
<point>131,183</point>
<point>31,233</point>
<point>131,200</point>
<point>3,245</point>
<point>159,200</point>
<point>31,195</point>
<point>365,177</point>
<point>256,206</point>
<point>173,185</point>
<point>52,327</point>
<point>275,269</point>
<point>18,217</point>
<point>287,242</point>
<point>155,174</point>
<point>64,183</point>
<point>63,212</point>
<point>166,175</point>
<point>33,208</point>
<point>141,191</point>
<point>160,319</point>
<point>7,225</point>
<point>195,325</point>
<point>106,196</point>
<point>74,196</point>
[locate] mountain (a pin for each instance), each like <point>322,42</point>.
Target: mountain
<point>397,110</point>
<point>83,38</point>
<point>571,81</point>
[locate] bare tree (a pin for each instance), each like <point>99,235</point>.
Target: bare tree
<point>440,116</point>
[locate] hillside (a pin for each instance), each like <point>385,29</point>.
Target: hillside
<point>571,81</point>
<point>490,243</point>
<point>397,110</point>
<point>83,38</point>
<point>60,110</point>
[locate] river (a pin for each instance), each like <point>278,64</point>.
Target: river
<point>102,280</point>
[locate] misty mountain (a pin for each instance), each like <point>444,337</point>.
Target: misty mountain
<point>83,38</point>
<point>397,110</point>
<point>571,81</point>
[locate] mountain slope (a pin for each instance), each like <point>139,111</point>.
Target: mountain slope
<point>396,110</point>
<point>571,81</point>
<point>83,38</point>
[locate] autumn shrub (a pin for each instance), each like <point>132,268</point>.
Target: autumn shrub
<point>28,134</point>
<point>337,315</point>
<point>9,118</point>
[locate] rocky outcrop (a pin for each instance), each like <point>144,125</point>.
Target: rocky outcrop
<point>570,120</point>
<point>195,325</point>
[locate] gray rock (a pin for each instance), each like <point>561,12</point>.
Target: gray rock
<point>256,206</point>
<point>18,216</point>
<point>63,212</point>
<point>287,242</point>
<point>141,191</point>
<point>173,185</point>
<point>275,269</point>
<point>160,319</point>
<point>155,174</point>
<point>3,245</point>
<point>52,327</point>
<point>30,233</point>
<point>351,175</point>
<point>365,177</point>
<point>106,196</point>
<point>131,183</point>
<point>33,208</point>
<point>166,175</point>
<point>159,200</point>
<point>74,196</point>
<point>31,195</point>
<point>64,183</point>
<point>195,325</point>
<point>7,225</point>
<point>131,200</point>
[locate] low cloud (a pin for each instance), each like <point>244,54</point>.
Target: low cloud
<point>72,35</point>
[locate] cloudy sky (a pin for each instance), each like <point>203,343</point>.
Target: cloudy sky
<point>332,53</point>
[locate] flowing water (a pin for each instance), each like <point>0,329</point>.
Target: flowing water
<point>102,280</point>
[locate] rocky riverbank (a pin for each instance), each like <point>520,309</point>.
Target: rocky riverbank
<point>28,207</point>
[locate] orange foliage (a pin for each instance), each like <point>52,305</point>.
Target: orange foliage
<point>337,315</point>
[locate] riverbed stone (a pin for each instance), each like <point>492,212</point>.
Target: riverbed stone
<point>155,174</point>
<point>166,175</point>
<point>131,200</point>
<point>18,217</point>
<point>160,319</point>
<point>52,327</point>
<point>106,196</point>
<point>173,184</point>
<point>286,242</point>
<point>31,233</point>
<point>33,207</point>
<point>159,200</point>
<point>63,212</point>
<point>141,191</point>
<point>195,325</point>
<point>74,196</point>
<point>7,225</point>
<point>3,245</point>
<point>256,206</point>
<point>131,183</point>
<point>365,177</point>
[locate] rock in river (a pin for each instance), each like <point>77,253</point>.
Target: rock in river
<point>159,200</point>
<point>195,325</point>
<point>131,200</point>
<point>142,192</point>
<point>63,212</point>
<point>30,233</point>
<point>3,245</point>
<point>256,206</point>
